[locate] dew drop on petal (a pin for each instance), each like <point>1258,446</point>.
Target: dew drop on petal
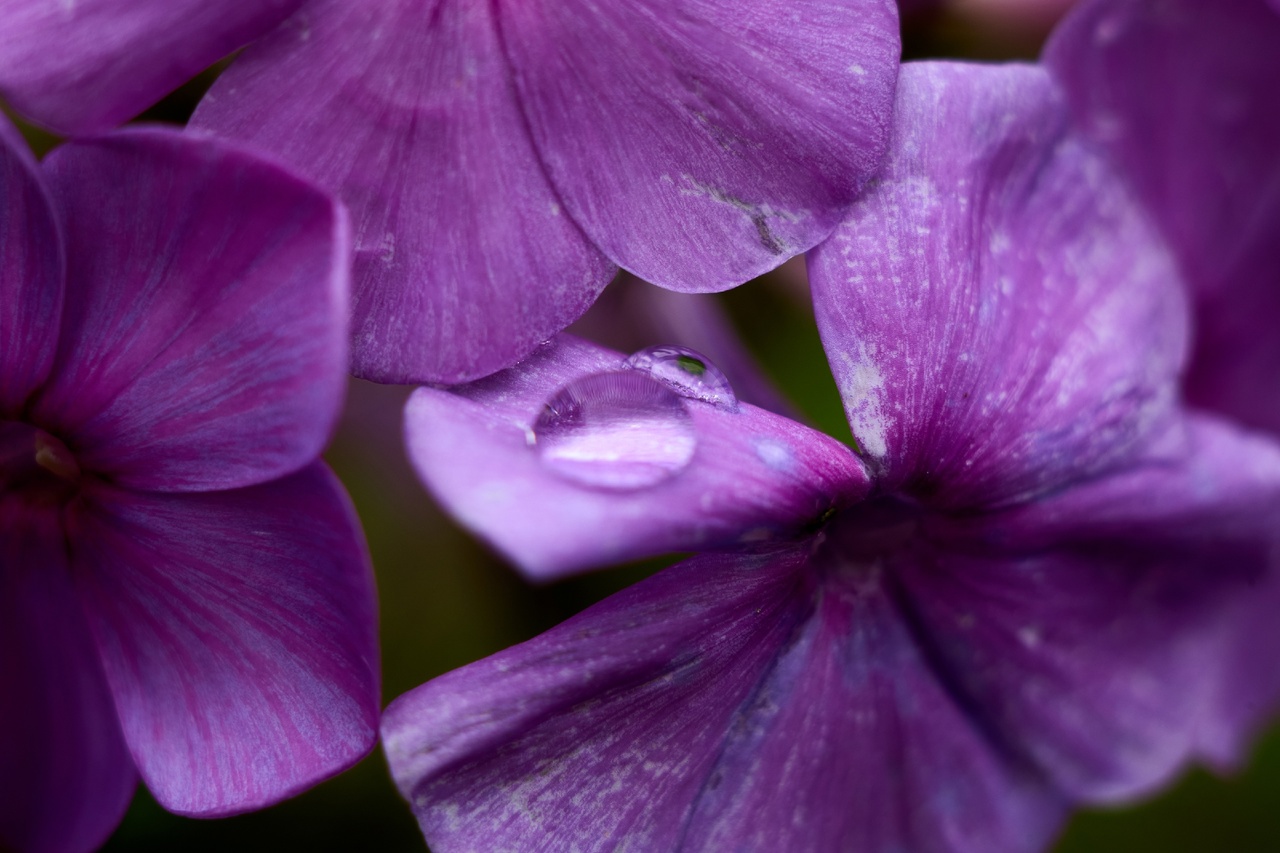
<point>688,371</point>
<point>616,430</point>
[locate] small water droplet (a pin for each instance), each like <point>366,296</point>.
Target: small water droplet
<point>688,371</point>
<point>616,430</point>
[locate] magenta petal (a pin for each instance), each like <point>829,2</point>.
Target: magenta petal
<point>1100,633</point>
<point>31,274</point>
<point>998,316</point>
<point>65,773</point>
<point>464,259</point>
<point>729,703</point>
<point>203,344</point>
<point>1182,95</point>
<point>701,144</point>
<point>754,476</point>
<point>86,66</point>
<point>238,633</point>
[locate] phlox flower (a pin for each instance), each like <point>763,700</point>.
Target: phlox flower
<point>1019,592</point>
<point>502,160</point>
<point>185,594</point>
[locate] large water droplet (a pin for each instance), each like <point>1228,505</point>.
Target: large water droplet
<point>617,430</point>
<point>688,372</point>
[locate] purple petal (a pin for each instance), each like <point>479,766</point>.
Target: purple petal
<point>203,344</point>
<point>86,66</point>
<point>465,260</point>
<point>238,633</point>
<point>701,144</point>
<point>754,476</point>
<point>1182,95</point>
<point>1098,634</point>
<point>31,274</point>
<point>998,316</point>
<point>65,773</point>
<point>755,707</point>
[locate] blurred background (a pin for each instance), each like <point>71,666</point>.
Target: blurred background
<point>446,600</point>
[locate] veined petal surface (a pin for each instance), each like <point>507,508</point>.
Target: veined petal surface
<point>85,66</point>
<point>999,316</point>
<point>754,477</point>
<point>32,269</point>
<point>65,772</point>
<point>465,259</point>
<point>700,143</point>
<point>1182,96</point>
<point>238,634</point>
<point>757,705</point>
<point>203,343</point>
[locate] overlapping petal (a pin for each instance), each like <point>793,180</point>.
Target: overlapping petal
<point>755,705</point>
<point>464,258</point>
<point>1182,96</point>
<point>702,143</point>
<point>238,634</point>
<point>999,317</point>
<point>203,342</point>
<point>754,476</point>
<point>31,274</point>
<point>64,769</point>
<point>1096,634</point>
<point>86,66</point>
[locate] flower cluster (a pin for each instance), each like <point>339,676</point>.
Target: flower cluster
<point>1042,574</point>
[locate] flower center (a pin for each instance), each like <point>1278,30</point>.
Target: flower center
<point>857,541</point>
<point>35,466</point>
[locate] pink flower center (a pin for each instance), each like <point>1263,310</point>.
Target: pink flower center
<point>35,466</point>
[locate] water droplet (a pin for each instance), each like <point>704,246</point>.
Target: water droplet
<point>688,372</point>
<point>617,430</point>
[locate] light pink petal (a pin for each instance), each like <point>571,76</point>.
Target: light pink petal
<point>31,274</point>
<point>754,477</point>
<point>65,774</point>
<point>84,66</point>
<point>238,633</point>
<point>464,258</point>
<point>700,143</point>
<point>729,703</point>
<point>999,317</point>
<point>1181,94</point>
<point>1105,631</point>
<point>203,345</point>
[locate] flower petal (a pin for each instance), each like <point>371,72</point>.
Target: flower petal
<point>1201,154</point>
<point>754,476</point>
<point>755,708</point>
<point>64,769</point>
<point>700,144</point>
<point>1100,630</point>
<point>464,260</point>
<point>1000,319</point>
<point>32,268</point>
<point>86,66</point>
<point>203,344</point>
<point>238,633</point>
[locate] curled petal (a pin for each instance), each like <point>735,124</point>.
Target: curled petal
<point>756,705</point>
<point>754,477</point>
<point>1201,154</point>
<point>86,66</point>
<point>32,269</point>
<point>702,143</point>
<point>203,345</point>
<point>64,769</point>
<point>238,633</point>
<point>464,258</point>
<point>999,317</point>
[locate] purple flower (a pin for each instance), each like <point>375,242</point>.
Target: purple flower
<point>1182,96</point>
<point>502,160</point>
<point>1021,593</point>
<point>184,590</point>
